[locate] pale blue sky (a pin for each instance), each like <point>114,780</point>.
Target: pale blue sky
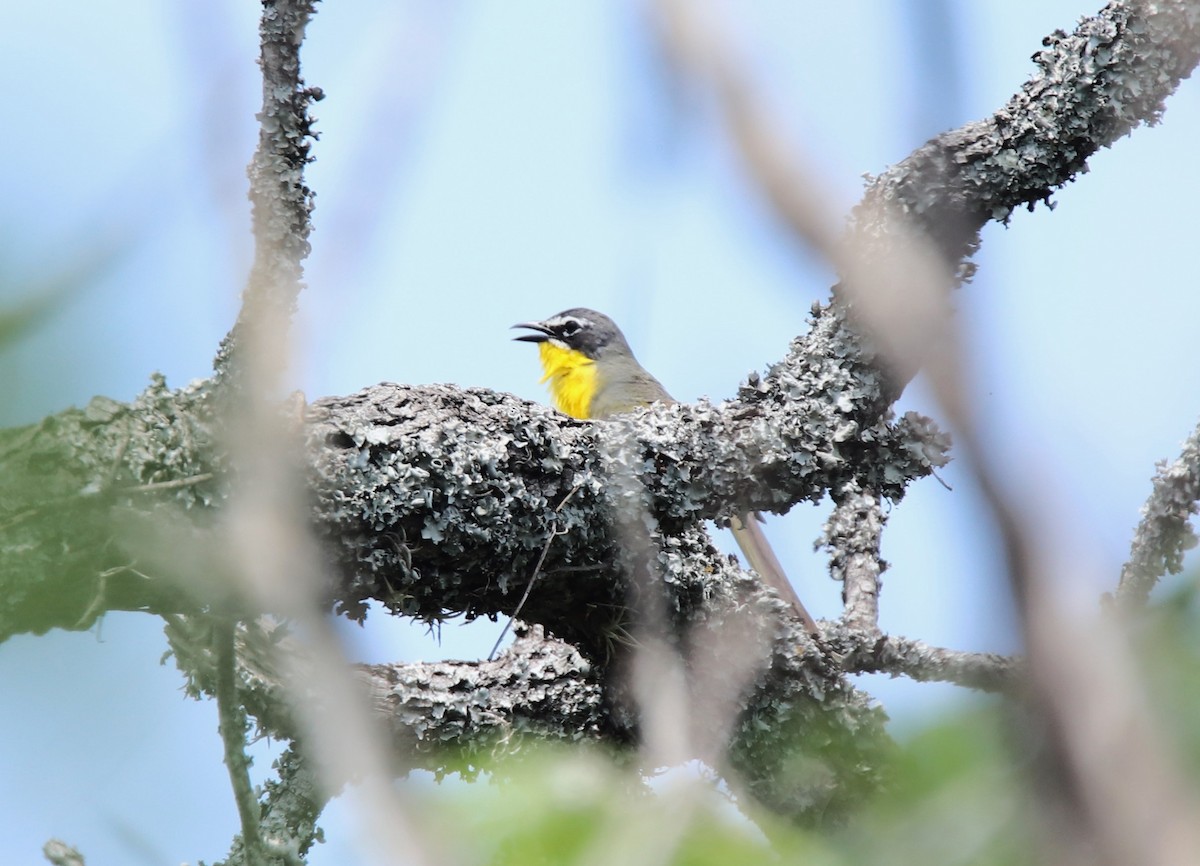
<point>487,163</point>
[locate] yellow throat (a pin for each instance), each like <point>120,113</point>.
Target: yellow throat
<point>572,378</point>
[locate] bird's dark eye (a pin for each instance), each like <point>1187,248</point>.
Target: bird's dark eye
<point>569,329</point>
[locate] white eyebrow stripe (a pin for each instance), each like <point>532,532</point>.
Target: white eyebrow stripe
<point>560,321</point>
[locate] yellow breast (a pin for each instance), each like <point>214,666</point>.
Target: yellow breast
<point>572,378</point>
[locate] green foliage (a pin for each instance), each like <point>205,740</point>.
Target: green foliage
<point>575,806</point>
<point>19,319</point>
<point>43,296</point>
<point>955,798</point>
<point>1169,640</point>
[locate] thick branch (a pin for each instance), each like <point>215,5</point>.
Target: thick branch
<point>437,501</point>
<point>1092,87</point>
<point>460,714</point>
<point>433,500</point>
<point>796,710</point>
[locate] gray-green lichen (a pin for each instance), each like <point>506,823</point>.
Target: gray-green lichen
<point>281,202</point>
<point>1164,533</point>
<point>439,500</point>
<point>803,740</point>
<point>61,563</point>
<point>852,535</point>
<point>1090,88</point>
<point>291,805</point>
<point>465,715</point>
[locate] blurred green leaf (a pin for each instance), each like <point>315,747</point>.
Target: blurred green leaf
<point>1168,636</point>
<point>19,319</point>
<point>956,798</point>
<point>577,806</point>
<point>45,294</point>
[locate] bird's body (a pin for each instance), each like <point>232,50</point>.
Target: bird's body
<point>592,373</point>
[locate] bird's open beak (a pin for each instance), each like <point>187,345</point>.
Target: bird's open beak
<point>542,335</point>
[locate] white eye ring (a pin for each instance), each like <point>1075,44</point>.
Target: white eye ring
<point>569,329</point>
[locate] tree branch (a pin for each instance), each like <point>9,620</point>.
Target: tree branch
<point>852,535</point>
<point>1163,535</point>
<point>281,202</point>
<point>1092,87</point>
<point>62,497</point>
<point>870,652</point>
<point>232,727</point>
<point>433,499</point>
<point>461,714</point>
<point>290,807</point>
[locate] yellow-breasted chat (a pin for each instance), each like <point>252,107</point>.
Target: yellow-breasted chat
<point>592,373</point>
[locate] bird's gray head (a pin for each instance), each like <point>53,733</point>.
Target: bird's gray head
<point>580,329</point>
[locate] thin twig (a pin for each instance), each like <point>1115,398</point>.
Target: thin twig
<point>232,725</point>
<point>174,484</point>
<point>536,570</point>
<point>96,606</point>
<point>114,467</point>
<point>917,660</point>
<point>114,470</point>
<point>21,516</point>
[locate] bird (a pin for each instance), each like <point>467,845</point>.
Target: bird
<point>592,373</point>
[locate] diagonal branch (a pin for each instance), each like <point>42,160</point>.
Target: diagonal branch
<point>1092,87</point>
<point>1163,535</point>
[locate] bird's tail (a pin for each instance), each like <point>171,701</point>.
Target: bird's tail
<point>757,550</point>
